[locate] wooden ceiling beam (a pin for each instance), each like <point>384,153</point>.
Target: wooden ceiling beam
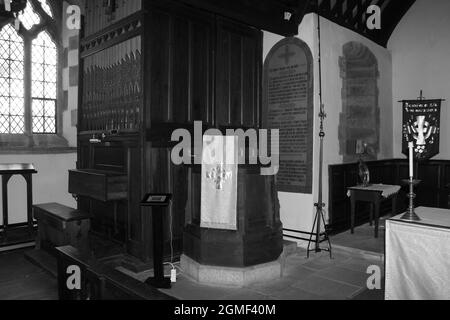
<point>325,6</point>
<point>348,14</point>
<point>392,12</point>
<point>262,14</point>
<point>358,19</point>
<point>301,10</point>
<point>337,9</point>
<point>392,15</point>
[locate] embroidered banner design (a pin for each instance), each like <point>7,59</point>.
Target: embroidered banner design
<point>421,125</point>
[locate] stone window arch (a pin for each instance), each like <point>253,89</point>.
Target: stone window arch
<point>31,77</point>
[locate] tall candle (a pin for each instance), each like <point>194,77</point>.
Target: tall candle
<point>411,170</point>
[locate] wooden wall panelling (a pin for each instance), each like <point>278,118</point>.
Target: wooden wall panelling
<point>181,65</point>
<point>446,183</point>
<point>190,73</point>
<point>432,192</point>
<point>158,53</point>
<point>179,176</point>
<point>428,191</point>
<point>338,194</point>
<point>239,63</point>
<point>135,232</point>
<point>180,91</point>
<point>179,73</point>
<point>167,177</point>
<point>201,71</point>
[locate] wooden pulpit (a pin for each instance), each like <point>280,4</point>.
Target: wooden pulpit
<point>251,235</point>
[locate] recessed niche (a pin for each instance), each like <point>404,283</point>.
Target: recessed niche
<point>360,116</point>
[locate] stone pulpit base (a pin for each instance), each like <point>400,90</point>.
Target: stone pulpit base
<point>246,255</point>
<point>233,277</point>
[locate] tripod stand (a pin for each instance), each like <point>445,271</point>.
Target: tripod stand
<point>319,218</point>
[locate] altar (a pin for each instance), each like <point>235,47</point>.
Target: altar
<point>418,256</point>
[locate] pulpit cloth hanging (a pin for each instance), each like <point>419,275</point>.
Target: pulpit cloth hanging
<point>219,182</point>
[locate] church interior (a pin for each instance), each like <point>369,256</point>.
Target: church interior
<point>224,150</point>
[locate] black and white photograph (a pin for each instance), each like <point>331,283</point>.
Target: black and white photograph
<point>220,157</point>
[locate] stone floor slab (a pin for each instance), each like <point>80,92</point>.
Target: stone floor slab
<point>348,276</point>
<point>326,288</point>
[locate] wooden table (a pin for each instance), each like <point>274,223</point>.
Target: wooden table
<point>374,194</point>
<point>26,171</point>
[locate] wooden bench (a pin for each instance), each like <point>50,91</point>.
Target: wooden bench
<point>59,225</point>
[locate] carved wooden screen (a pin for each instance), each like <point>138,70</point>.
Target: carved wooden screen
<point>112,88</point>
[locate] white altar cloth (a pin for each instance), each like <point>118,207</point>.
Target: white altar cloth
<point>418,256</point>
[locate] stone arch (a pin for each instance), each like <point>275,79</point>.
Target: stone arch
<point>359,120</point>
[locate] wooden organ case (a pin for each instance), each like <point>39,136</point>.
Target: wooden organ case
<point>146,68</point>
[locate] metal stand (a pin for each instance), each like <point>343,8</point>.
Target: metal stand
<point>158,203</point>
<point>410,213</point>
<point>319,218</point>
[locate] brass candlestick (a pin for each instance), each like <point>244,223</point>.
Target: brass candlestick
<point>410,213</point>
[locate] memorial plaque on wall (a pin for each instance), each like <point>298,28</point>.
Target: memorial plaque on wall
<point>288,106</point>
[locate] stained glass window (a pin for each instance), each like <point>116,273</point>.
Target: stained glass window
<point>44,76</point>
<point>44,58</point>
<point>12,119</point>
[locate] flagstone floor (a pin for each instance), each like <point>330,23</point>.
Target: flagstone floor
<point>21,280</point>
<point>317,278</point>
<point>363,239</point>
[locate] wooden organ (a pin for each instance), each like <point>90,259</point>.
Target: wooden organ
<point>104,13</point>
<point>149,67</point>
<point>112,90</point>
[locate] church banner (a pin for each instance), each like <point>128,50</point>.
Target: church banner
<point>421,125</point>
<point>219,182</point>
